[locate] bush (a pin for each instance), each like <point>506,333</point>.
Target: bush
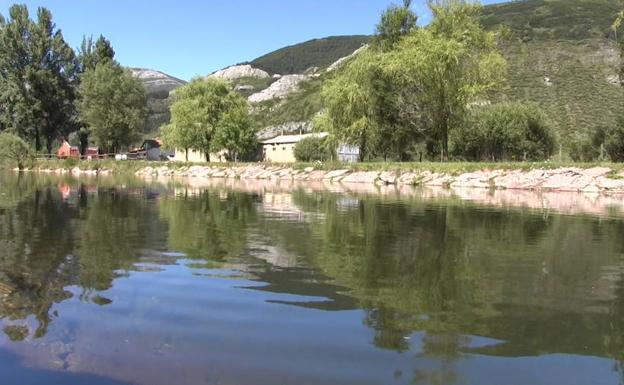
<point>503,132</point>
<point>312,149</point>
<point>614,141</point>
<point>14,150</point>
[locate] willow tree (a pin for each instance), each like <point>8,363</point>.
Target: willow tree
<point>396,22</point>
<point>453,63</point>
<point>207,115</point>
<point>387,100</point>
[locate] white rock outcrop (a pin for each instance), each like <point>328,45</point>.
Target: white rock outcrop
<point>342,60</point>
<point>280,89</point>
<point>240,71</point>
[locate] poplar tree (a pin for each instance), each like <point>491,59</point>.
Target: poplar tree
<point>38,77</point>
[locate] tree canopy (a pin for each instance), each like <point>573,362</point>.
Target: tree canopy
<point>113,105</point>
<point>388,100</point>
<point>38,75</point>
<point>207,116</point>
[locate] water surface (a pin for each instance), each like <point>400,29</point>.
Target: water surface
<point>116,281</point>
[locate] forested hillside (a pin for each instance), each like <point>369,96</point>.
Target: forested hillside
<point>562,55</point>
<point>319,53</point>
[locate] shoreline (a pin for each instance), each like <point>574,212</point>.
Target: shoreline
<point>594,180</point>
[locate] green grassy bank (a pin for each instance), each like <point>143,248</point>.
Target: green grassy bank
<point>451,168</point>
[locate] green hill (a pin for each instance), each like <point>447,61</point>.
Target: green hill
<point>320,53</point>
<point>560,53</point>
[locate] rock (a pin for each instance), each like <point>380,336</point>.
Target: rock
<point>408,178</point>
<point>238,72</point>
<point>308,169</point>
<point>479,179</point>
<point>388,177</point>
<point>280,89</point>
<point>332,175</point>
<point>316,175</point>
<point>362,177</point>
<point>596,171</point>
<point>244,88</point>
<point>338,63</point>
<point>613,79</point>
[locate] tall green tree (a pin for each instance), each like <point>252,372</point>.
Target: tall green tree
<point>236,133</point>
<point>38,75</point>
<point>453,62</point>
<point>207,115</point>
<point>113,105</point>
<point>91,54</point>
<point>396,22</point>
<point>360,107</point>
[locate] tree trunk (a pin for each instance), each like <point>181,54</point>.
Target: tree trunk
<point>186,150</point>
<point>37,140</point>
<point>445,142</point>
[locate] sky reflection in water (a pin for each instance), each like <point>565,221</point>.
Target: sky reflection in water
<point>125,281</point>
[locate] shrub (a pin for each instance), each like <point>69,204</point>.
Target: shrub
<point>614,141</point>
<point>14,150</point>
<point>507,131</point>
<point>312,149</point>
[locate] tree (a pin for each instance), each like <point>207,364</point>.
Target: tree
<point>617,26</point>
<point>14,149</point>
<point>113,105</point>
<point>37,77</point>
<point>91,54</point>
<point>236,133</point>
<point>614,141</point>
<point>507,131</point>
<point>396,22</point>
<point>312,149</point>
<point>207,115</point>
<point>453,63</point>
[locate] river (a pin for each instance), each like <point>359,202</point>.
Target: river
<point>126,281</point>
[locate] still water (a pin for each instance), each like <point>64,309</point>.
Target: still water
<point>130,282</point>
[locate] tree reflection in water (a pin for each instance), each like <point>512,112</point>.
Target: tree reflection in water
<point>436,274</point>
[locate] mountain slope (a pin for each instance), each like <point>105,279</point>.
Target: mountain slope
<point>561,55</point>
<point>298,58</point>
<point>158,86</point>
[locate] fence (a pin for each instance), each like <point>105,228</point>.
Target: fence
<point>50,157</point>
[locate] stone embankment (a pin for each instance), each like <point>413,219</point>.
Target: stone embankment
<point>572,179</point>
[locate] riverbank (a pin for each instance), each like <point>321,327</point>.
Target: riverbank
<point>587,178</point>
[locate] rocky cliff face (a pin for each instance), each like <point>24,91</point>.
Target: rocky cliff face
<point>239,72</point>
<point>280,89</point>
<point>158,86</point>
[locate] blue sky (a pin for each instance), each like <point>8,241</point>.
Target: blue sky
<point>185,38</point>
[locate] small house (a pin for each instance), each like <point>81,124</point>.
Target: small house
<point>282,148</point>
<point>68,151</point>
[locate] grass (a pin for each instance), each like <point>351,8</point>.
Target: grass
<point>450,168</point>
<point>456,168</point>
